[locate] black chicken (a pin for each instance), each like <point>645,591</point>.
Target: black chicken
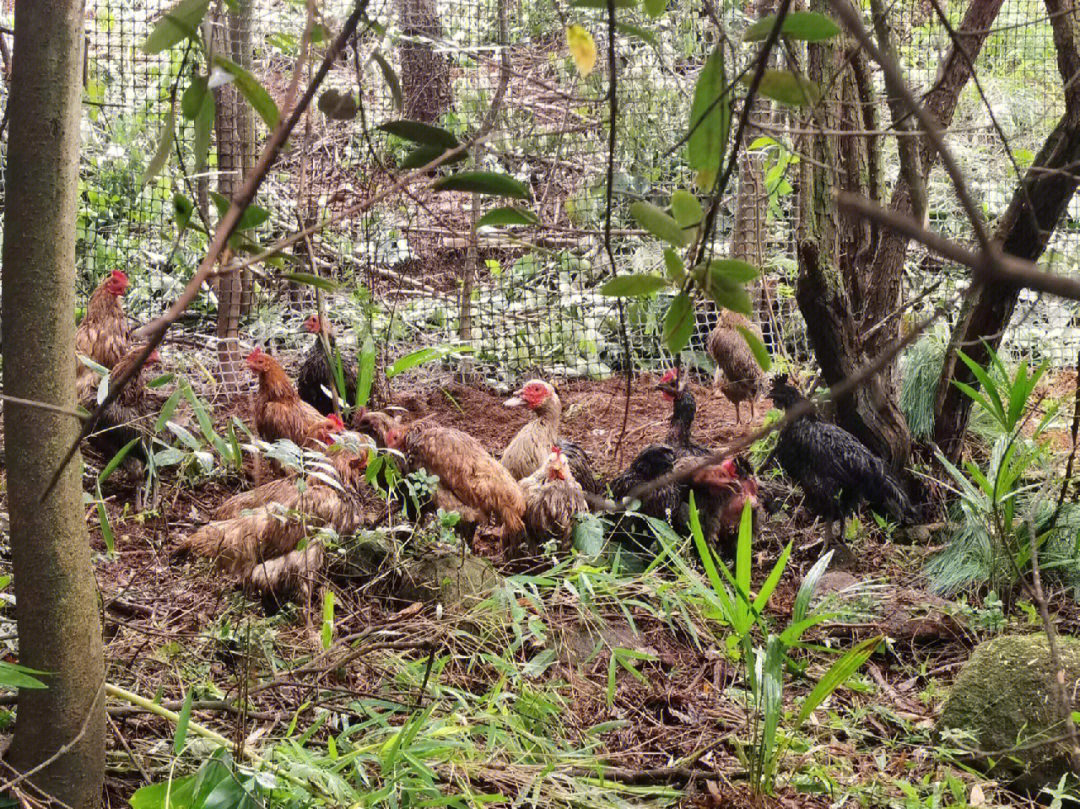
<point>683,410</point>
<point>315,379</point>
<point>833,469</point>
<point>651,463</point>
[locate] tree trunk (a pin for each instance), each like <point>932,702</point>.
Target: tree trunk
<point>1034,212</point>
<point>850,272</point>
<point>227,129</point>
<point>425,74</point>
<point>56,601</point>
<point>1023,231</point>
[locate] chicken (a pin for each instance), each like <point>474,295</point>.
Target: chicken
<point>126,418</point>
<point>531,446</point>
<point>103,335</point>
<point>683,410</point>
<point>255,534</point>
<point>552,499</point>
<point>278,410</point>
<point>833,469</point>
<point>653,462</point>
<point>743,378</point>
<point>471,481</point>
<point>720,493</point>
<point>315,373</point>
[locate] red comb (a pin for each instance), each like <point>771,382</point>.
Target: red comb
<point>335,421</point>
<point>119,275</point>
<point>670,376</point>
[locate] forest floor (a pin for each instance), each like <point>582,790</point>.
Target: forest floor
<point>531,685</point>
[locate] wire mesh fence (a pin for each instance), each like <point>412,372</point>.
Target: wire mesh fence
<point>410,271</point>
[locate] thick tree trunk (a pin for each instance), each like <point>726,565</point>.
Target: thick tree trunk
<point>1024,231</point>
<point>56,601</point>
<point>850,272</point>
<point>425,74</point>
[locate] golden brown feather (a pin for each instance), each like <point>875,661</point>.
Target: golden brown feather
<point>103,335</point>
<point>278,409</point>
<point>552,500</point>
<point>742,377</point>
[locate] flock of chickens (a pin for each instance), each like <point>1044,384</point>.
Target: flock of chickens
<point>532,494</point>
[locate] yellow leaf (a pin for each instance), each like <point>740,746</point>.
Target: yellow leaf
<point>582,48</point>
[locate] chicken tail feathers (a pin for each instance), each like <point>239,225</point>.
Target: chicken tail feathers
<point>887,496</point>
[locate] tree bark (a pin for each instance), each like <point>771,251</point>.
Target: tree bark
<point>850,272</point>
<point>425,74</point>
<point>56,602</point>
<point>1034,212</point>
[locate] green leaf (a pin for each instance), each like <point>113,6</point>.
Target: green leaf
<point>766,591</point>
<point>250,89</point>
<point>508,216</point>
<point>328,619</point>
<point>117,459</point>
<point>365,373</point>
<point>391,79</point>
<point>183,208</point>
<point>676,270</point>
<point>424,355</point>
<point>602,4</point>
<point>180,737</point>
<point>107,535</point>
<point>644,34</point>
<point>658,223</point>
<point>724,291</point>
<point>632,286</point>
<point>654,8</point>
<point>484,182</point>
<point>311,280</point>
<point>422,155</point>
<point>167,410</point>
<point>164,149</point>
<point>757,348</point>
<point>686,209</point>
<point>252,217</point>
<point>192,99</point>
<point>710,120</point>
<point>734,270</point>
<point>787,88</point>
<point>679,323</point>
<point>179,24</point>
<point>836,676</point>
<point>422,133</point>
<point>13,675</point>
<point>808,26</point>
<point>204,125</point>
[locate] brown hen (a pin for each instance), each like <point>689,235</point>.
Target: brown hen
<point>552,499</point>
<point>278,410</point>
<point>103,335</point>
<point>468,474</point>
<point>738,374</point>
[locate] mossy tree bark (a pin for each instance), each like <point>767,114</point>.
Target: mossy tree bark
<point>850,271</point>
<point>56,602</point>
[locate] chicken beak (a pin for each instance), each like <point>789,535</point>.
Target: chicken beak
<point>516,401</point>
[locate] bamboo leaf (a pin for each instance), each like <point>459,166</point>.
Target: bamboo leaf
<point>250,88</point>
<point>757,348</point>
<point>192,99</point>
<point>767,588</point>
<point>14,676</point>
<point>679,323</point>
<point>180,736</point>
<point>676,270</point>
<point>508,216</point>
<point>391,79</point>
<point>632,286</point>
<point>658,223</point>
<point>311,280</point>
<point>421,133</point>
<point>178,24</point>
<point>644,34</point>
<point>164,149</point>
<point>424,355</point>
<point>167,410</point>
<point>328,619</point>
<point>365,372</point>
<point>787,88</point>
<point>422,155</point>
<point>484,182</point>
<point>710,116</point>
<point>808,26</point>
<point>117,459</point>
<point>734,270</point>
